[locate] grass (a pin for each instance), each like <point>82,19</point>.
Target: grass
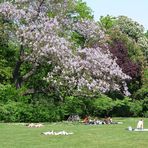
<point>14,135</point>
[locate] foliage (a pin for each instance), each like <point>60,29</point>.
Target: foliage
<point>146,114</point>
<point>103,106</point>
<point>21,112</point>
<point>143,91</point>
<point>119,50</point>
<point>145,77</point>
<point>8,92</point>
<point>122,108</point>
<point>73,105</point>
<point>7,53</point>
<point>55,60</point>
<point>15,107</point>
<point>136,108</point>
<point>130,27</point>
<point>146,34</point>
<point>129,44</point>
<point>83,11</point>
<point>107,22</point>
<point>135,31</point>
<point>5,72</point>
<point>43,38</point>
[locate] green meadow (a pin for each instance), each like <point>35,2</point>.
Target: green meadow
<point>16,135</point>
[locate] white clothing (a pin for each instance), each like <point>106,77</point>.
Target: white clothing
<point>140,124</point>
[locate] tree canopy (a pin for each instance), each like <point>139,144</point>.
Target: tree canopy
<point>53,52</point>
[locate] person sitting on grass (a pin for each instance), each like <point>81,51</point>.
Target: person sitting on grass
<point>97,121</point>
<point>110,121</point>
<point>86,120</point>
<point>140,124</point>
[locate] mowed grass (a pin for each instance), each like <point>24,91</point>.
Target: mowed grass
<point>14,135</point>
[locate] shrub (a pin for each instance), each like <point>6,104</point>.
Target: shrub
<point>122,108</point>
<point>145,114</point>
<point>9,92</point>
<point>136,108</point>
<point>73,105</point>
<point>103,106</point>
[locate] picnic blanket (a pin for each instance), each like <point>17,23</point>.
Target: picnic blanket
<point>137,129</point>
<point>140,130</point>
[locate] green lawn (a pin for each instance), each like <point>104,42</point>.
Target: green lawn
<point>85,136</point>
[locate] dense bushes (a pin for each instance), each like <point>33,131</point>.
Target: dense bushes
<point>20,112</point>
<point>14,107</point>
<point>103,106</point>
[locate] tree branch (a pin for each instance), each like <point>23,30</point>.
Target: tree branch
<point>31,72</point>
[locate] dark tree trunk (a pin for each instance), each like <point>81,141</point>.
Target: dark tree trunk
<point>16,75</point>
<point>16,72</point>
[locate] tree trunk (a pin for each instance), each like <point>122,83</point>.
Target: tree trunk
<point>16,72</point>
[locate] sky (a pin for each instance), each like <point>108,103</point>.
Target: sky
<point>134,9</point>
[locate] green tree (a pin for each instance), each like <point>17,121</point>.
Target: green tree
<point>107,22</point>
<point>7,52</point>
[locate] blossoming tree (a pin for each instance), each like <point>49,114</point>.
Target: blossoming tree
<point>45,37</point>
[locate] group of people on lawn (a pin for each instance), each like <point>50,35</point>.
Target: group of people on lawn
<point>106,120</point>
